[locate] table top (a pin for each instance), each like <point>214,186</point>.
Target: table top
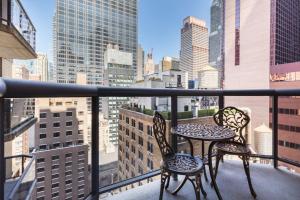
<point>204,132</point>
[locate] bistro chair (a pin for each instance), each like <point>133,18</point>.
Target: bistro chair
<point>236,120</point>
<point>176,163</point>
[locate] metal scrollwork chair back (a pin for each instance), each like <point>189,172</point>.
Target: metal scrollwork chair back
<point>236,120</point>
<point>233,118</point>
<point>159,129</point>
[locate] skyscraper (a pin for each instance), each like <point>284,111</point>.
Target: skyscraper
<point>82,31</point>
<point>216,37</point>
<point>194,46</point>
<point>262,45</point>
<point>118,73</point>
<point>140,63</point>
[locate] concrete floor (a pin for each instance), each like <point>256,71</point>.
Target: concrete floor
<point>268,183</point>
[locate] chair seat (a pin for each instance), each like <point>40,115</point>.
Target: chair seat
<point>233,148</point>
<point>183,164</point>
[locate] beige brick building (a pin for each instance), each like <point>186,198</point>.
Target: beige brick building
<point>138,149</point>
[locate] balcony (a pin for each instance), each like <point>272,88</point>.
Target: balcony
<point>270,180</point>
<point>17,33</point>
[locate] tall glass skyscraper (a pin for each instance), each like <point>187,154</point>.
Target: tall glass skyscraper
<point>216,37</point>
<point>82,31</point>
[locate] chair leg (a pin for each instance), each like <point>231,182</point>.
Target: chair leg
<point>164,176</point>
<point>180,186</point>
<point>247,171</point>
<point>202,189</point>
<point>168,181</point>
<point>205,175</point>
<point>218,158</point>
<point>198,186</point>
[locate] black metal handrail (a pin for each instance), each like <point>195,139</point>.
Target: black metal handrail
<point>10,88</point>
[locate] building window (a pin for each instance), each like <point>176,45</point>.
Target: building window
<point>40,160</point>
<point>68,173</point>
<point>133,135</point>
<point>68,133</point>
<point>40,179</point>
<point>127,155</point>
<point>68,190</point>
<point>81,153</point>
<point>132,149</point>
<point>55,157</point>
<point>141,156</point>
<point>55,185</point>
<point>56,194</point>
<point>56,134</point>
<point>43,147</point>
<point>43,125</point>
<point>43,135</point>
<point>54,166</point>
<point>80,132</point>
<point>40,169</point>
<point>40,189</point>
<point>55,176</point>
<point>120,117</point>
<point>150,147</point>
<point>127,132</point>
<point>133,162</point>
<point>56,115</point>
<point>68,182</point>
<point>69,114</point>
<point>127,120</point>
<point>141,126</point>
<point>132,122</point>
<point>43,115</point>
<point>56,124</point>
<point>56,145</point>
<point>141,141</point>
<point>149,130</point>
<point>68,155</point>
<point>69,123</point>
<point>150,163</point>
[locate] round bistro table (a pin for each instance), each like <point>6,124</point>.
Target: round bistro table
<point>205,132</point>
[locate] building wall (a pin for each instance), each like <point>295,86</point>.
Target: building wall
<point>62,156</point>
<point>253,70</point>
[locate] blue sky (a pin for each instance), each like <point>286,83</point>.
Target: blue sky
<point>159,23</point>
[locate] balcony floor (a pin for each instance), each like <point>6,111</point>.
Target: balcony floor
<point>268,182</point>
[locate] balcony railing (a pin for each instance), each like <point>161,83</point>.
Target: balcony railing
<point>15,20</point>
<point>29,89</point>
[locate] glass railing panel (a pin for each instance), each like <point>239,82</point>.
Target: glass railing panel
<point>288,131</point>
<point>22,189</point>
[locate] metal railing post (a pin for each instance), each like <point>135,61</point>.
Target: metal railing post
<point>23,160</point>
<point>221,106</point>
<point>173,125</point>
<point>275,130</point>
<point>9,12</point>
<point>95,148</point>
<point>2,159</point>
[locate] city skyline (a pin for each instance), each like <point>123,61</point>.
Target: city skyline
<point>149,26</point>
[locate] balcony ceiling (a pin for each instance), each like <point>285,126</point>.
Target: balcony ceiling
<point>268,182</point>
<point>13,45</point>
